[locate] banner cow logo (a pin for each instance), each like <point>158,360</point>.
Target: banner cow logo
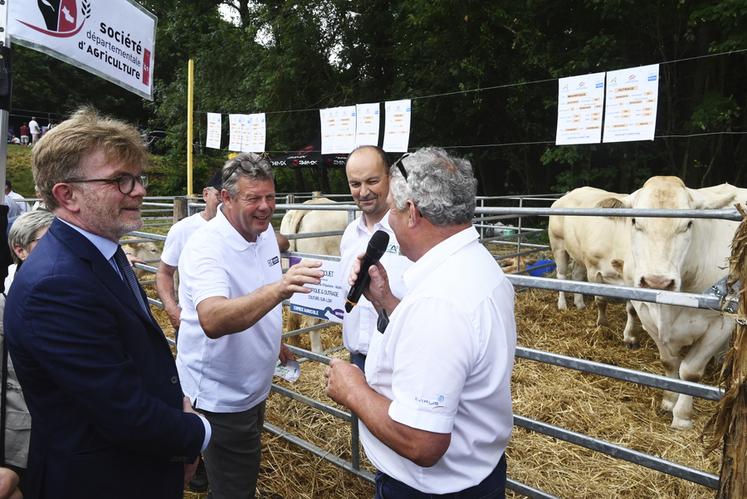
<point>61,17</point>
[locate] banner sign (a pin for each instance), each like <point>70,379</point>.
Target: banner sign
<point>580,106</point>
<point>113,39</point>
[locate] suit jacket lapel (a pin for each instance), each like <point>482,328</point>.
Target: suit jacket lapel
<point>102,269</point>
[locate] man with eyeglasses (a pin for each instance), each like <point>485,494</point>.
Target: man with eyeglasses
<point>231,287</point>
<point>109,416</point>
<point>435,400</point>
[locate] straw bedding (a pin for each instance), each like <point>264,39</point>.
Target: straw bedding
<point>622,413</point>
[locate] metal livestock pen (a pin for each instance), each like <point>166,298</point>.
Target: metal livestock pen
<point>485,215</point>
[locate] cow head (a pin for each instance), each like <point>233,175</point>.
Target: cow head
<point>660,246</point>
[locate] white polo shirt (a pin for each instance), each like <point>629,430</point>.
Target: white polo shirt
<point>445,362</point>
<point>177,237</point>
<point>232,373</point>
<point>360,323</point>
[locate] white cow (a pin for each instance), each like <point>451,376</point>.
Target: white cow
<point>595,247</point>
<point>688,255</point>
<point>146,252</point>
<point>306,221</point>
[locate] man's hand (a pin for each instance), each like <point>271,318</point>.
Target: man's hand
<point>378,291</point>
<point>174,313</point>
<point>343,378</point>
<point>285,354</point>
<point>9,484</point>
<point>189,468</point>
<point>294,280</point>
<point>189,471</point>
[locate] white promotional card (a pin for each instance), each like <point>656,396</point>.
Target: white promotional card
<point>326,300</point>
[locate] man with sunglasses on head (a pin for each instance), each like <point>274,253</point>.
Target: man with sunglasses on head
<point>231,288</point>
<point>435,400</point>
<point>98,376</point>
<point>367,171</point>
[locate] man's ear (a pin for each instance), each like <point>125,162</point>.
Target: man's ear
<point>413,214</point>
<point>65,197</point>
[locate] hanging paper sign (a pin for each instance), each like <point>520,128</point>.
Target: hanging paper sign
<point>580,106</point>
<point>397,125</point>
<point>234,132</point>
<point>253,132</point>
<point>213,130</point>
<point>367,124</point>
<point>338,129</point>
<point>630,109</point>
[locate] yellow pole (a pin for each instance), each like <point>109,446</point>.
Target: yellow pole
<point>190,109</point>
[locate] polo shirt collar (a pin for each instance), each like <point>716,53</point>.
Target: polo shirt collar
<point>381,224</point>
<point>437,255</point>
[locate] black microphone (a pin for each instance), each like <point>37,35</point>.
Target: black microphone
<point>376,248</point>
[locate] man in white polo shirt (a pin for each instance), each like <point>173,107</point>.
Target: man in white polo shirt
<point>177,237</point>
<point>435,400</point>
<point>231,289</point>
<point>367,171</point>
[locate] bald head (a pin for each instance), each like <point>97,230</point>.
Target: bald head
<point>368,178</point>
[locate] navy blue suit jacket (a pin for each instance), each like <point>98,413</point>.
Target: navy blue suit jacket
<point>98,377</point>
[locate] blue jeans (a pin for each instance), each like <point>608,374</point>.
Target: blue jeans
<point>492,487</point>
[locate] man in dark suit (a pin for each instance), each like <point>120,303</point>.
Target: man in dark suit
<point>108,415</point>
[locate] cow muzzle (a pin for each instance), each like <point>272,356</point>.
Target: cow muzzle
<point>654,281</point>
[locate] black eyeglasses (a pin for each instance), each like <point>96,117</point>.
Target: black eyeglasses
<point>125,182</point>
<point>400,166</point>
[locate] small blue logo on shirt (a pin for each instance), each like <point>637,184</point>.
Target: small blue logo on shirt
<point>273,261</point>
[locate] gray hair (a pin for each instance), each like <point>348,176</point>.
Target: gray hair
<point>442,187</point>
<point>248,165</point>
<point>24,229</point>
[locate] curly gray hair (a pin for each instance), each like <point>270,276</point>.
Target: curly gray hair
<point>249,165</point>
<point>442,187</point>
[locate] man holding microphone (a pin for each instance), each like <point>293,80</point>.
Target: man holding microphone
<point>435,399</point>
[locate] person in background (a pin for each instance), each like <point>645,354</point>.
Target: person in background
<point>39,203</point>
<point>20,200</point>
<point>231,287</point>
<point>35,131</point>
<point>367,171</point>
<point>23,132</point>
<point>176,238</point>
<point>108,415</point>
<point>26,232</point>
<point>435,401</point>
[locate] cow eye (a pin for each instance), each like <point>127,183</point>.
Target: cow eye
<point>689,225</point>
<point>635,226</point>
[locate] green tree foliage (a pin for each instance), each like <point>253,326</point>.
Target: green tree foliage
<point>291,58</point>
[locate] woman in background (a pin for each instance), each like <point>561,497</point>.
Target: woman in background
<point>25,233</point>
